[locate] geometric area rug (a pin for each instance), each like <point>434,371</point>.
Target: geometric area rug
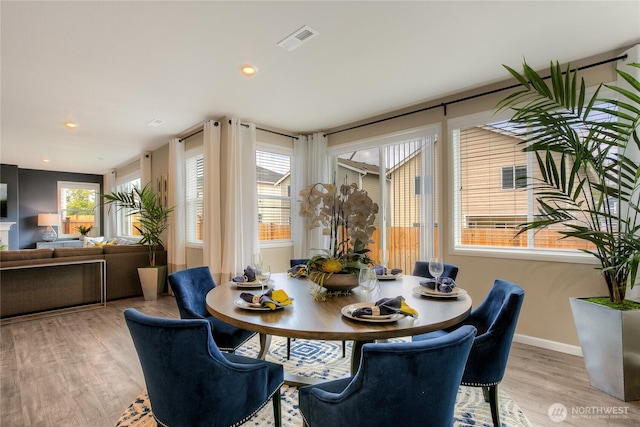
<point>323,359</point>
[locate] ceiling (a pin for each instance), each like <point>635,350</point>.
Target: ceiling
<point>114,67</point>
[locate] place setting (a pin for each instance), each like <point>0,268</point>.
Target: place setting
<point>438,287</point>
<point>384,273</point>
<point>383,310</point>
<point>254,276</point>
<point>272,299</point>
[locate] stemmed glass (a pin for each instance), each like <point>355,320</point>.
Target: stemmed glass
<point>436,268</point>
<point>263,275</point>
<point>367,280</point>
<point>384,260</point>
<point>256,260</point>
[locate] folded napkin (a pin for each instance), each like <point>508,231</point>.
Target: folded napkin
<point>271,299</point>
<point>386,306</point>
<point>298,271</point>
<point>445,284</point>
<point>249,276</point>
<point>381,271</point>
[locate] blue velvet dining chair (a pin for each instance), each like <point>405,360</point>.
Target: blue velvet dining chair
<point>407,383</point>
<point>191,383</point>
<point>190,288</point>
<point>421,268</point>
<point>495,320</point>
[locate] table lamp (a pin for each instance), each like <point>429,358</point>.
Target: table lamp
<point>48,220</point>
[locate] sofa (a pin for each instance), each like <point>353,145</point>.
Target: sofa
<point>38,280</point>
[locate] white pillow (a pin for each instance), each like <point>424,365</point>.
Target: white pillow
<point>91,241</point>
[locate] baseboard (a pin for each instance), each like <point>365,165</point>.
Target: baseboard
<point>549,345</point>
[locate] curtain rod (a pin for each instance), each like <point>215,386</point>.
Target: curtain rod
<point>241,124</point>
<point>467,98</point>
<point>267,130</point>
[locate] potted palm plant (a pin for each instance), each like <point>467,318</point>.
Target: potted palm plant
<point>146,206</point>
<point>587,149</point>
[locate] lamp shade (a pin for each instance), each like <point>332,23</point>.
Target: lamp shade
<point>48,219</point>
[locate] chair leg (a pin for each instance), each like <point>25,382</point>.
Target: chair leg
<point>344,349</point>
<point>288,348</point>
<point>277,409</point>
<point>492,391</point>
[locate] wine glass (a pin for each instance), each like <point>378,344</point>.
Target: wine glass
<point>436,268</point>
<point>256,262</point>
<point>263,275</point>
<point>384,260</point>
<point>367,280</point>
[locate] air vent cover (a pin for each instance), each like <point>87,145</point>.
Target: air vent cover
<point>298,37</point>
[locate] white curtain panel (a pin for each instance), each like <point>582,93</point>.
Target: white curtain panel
<point>176,239</point>
<point>239,196</point>
<point>109,186</point>
<point>311,159</point>
<point>212,221</point>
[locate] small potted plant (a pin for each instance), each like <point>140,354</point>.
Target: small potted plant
<point>84,231</point>
<point>146,206</point>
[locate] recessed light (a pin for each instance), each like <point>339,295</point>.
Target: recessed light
<point>45,160</point>
<point>71,125</point>
<point>248,70</point>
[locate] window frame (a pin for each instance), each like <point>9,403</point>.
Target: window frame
<point>121,214</point>
<point>455,248</point>
<point>195,152</point>
<point>277,149</point>
<point>94,186</point>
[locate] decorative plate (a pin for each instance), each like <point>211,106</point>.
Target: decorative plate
<point>239,302</point>
<point>389,276</point>
<point>254,284</point>
<point>457,292</point>
<point>385,318</point>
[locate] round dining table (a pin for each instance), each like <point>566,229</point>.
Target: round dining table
<point>330,319</point>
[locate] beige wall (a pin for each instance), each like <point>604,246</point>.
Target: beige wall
<point>546,314</point>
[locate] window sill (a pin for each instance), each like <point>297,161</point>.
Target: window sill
<point>519,254</point>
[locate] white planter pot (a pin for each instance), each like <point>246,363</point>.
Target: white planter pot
<point>610,347</point>
<point>152,281</point>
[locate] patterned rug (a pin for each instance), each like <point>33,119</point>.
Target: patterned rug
<point>323,359</point>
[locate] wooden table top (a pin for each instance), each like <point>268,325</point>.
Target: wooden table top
<point>323,320</point>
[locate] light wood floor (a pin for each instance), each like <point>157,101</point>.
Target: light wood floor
<point>81,369</point>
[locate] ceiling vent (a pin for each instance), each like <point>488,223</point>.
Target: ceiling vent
<point>299,37</point>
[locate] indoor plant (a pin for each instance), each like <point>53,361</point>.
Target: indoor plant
<point>145,205</point>
<point>346,215</point>
<point>84,231</point>
<point>586,147</point>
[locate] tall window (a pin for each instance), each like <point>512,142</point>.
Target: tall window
<point>495,192</point>
<point>194,194</point>
<point>398,172</point>
<point>77,203</point>
<point>126,223</point>
<point>273,171</point>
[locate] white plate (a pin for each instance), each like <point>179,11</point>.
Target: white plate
<point>457,292</point>
<point>348,309</point>
<point>253,284</point>
<point>389,276</point>
<point>239,302</point>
